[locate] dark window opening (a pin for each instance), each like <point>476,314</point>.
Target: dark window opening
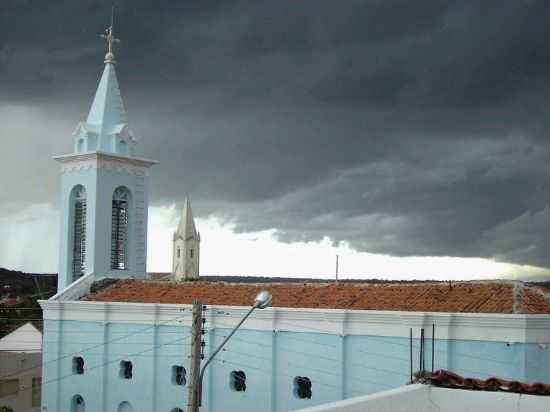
<point>179,375</point>
<point>78,365</point>
<point>78,404</point>
<point>79,233</point>
<point>238,381</point>
<point>191,253</point>
<point>302,387</point>
<point>119,230</point>
<point>179,252</point>
<point>126,370</point>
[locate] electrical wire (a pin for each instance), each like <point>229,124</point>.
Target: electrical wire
<point>310,355</point>
<point>126,356</point>
<point>94,347</point>
<point>387,341</point>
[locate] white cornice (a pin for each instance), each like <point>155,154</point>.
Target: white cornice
<point>467,326</point>
<point>101,160</point>
<point>99,155</point>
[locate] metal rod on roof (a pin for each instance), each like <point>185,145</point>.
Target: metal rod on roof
<point>423,350</point>
<point>411,354</point>
<point>433,346</point>
<point>420,368</point>
<point>336,268</point>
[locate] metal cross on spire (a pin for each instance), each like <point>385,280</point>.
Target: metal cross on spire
<point>110,38</point>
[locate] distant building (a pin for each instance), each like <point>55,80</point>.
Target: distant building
<point>20,369</point>
<point>186,247</point>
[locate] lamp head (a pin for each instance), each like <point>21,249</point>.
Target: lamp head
<point>263,299</point>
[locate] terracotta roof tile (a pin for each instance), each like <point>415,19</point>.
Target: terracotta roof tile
<point>452,380</point>
<point>472,297</point>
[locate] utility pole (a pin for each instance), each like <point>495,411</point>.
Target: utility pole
<point>196,337</point>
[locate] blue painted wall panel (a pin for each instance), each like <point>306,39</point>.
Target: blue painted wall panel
<point>338,367</point>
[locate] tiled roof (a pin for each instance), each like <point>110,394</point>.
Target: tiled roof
<point>472,297</point>
<point>448,379</point>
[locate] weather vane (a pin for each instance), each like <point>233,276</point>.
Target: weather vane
<point>110,38</point>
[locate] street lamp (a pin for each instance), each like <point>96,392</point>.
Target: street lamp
<point>261,301</point>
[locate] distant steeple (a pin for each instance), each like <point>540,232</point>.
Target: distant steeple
<point>186,226</point>
<point>186,247</point>
<point>106,127</point>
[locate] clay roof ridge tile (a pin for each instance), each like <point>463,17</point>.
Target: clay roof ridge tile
<point>518,293</point>
<point>544,294</point>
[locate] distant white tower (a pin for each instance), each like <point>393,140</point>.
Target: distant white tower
<point>104,190</point>
<point>187,243</point>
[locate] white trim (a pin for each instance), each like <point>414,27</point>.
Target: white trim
<point>102,160</point>
<point>416,397</point>
<point>76,289</point>
<point>513,328</point>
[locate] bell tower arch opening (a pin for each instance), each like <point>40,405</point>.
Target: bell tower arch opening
<point>120,228</point>
<point>78,207</point>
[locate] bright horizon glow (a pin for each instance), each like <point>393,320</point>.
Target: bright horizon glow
<point>225,252</point>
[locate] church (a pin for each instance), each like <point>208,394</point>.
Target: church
<point>116,339</point>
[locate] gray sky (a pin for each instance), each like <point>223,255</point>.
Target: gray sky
<point>403,128</point>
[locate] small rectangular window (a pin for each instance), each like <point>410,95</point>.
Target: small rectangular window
<point>179,375</point>
<point>36,392</point>
<point>238,381</point>
<point>191,253</point>
<point>302,387</point>
<point>78,365</point>
<point>9,387</point>
<point>126,370</point>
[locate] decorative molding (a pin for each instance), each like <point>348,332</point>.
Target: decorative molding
<point>101,160</point>
<point>463,326</point>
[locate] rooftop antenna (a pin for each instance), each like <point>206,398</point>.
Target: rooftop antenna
<point>110,38</point>
<point>336,268</point>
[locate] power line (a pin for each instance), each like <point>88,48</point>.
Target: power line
<point>265,371</point>
<point>386,341</point>
<point>107,363</point>
<point>335,346</point>
<point>312,355</point>
<point>92,347</point>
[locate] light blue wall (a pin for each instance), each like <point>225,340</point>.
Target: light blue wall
<point>100,185</point>
<point>339,367</point>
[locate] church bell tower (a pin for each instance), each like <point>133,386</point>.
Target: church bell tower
<point>104,190</point>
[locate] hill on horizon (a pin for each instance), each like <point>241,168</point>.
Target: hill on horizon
<point>19,294</point>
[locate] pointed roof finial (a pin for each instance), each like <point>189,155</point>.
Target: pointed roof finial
<point>110,38</point>
<point>186,227</point>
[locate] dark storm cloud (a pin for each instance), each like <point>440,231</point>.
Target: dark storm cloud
<point>409,128</point>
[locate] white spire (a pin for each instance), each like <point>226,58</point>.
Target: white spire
<point>186,226</point>
<point>107,111</point>
<point>106,127</point>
